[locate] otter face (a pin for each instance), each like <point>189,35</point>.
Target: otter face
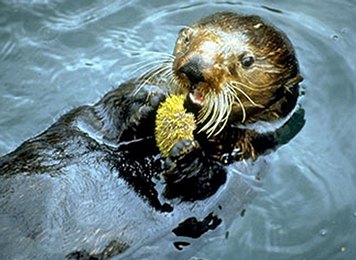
<point>234,68</point>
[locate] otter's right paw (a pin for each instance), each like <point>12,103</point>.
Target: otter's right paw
<point>147,108</point>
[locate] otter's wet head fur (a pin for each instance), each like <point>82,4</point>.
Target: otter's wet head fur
<point>236,68</point>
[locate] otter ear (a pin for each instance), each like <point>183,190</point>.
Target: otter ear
<point>293,81</point>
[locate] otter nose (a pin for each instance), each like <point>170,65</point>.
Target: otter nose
<point>192,71</point>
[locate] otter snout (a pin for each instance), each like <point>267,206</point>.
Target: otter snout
<point>192,71</point>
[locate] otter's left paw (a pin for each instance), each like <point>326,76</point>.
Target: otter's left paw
<point>189,174</point>
<point>180,152</point>
<point>182,148</point>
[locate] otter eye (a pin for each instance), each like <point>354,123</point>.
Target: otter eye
<point>186,39</point>
<point>186,35</point>
<point>247,61</point>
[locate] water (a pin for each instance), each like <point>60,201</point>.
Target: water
<point>56,55</point>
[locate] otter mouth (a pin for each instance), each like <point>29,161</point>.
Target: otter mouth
<point>197,98</point>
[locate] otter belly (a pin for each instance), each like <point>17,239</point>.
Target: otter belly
<point>73,193</point>
<point>85,207</point>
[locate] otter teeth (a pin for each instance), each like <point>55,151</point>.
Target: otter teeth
<point>197,97</point>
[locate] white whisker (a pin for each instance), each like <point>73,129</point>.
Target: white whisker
<point>222,115</point>
<point>149,76</point>
<point>258,87</point>
<point>216,112</point>
<point>146,64</point>
<point>154,71</point>
<point>247,96</point>
<point>206,110</point>
<point>231,89</point>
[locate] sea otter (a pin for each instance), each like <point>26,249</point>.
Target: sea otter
<point>235,71</point>
<point>94,185</point>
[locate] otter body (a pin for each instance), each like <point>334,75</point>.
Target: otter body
<point>94,185</point>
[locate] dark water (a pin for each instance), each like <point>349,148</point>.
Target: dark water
<point>56,55</point>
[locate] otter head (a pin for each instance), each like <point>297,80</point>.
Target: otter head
<point>236,69</point>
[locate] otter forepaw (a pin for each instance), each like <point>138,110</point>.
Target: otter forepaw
<point>189,174</point>
<point>182,148</point>
<point>182,153</point>
<point>154,99</point>
<point>146,109</point>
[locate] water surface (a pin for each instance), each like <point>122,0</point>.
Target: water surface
<point>57,55</point>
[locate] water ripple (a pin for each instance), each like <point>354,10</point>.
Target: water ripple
<point>59,54</point>
<point>69,17</point>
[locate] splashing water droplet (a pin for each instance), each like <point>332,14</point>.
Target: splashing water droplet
<point>335,37</point>
<point>323,232</point>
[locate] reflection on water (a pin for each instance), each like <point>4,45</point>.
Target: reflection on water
<point>56,56</point>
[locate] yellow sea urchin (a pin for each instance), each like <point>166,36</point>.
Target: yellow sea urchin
<point>173,123</point>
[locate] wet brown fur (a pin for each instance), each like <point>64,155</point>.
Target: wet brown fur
<point>265,91</point>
